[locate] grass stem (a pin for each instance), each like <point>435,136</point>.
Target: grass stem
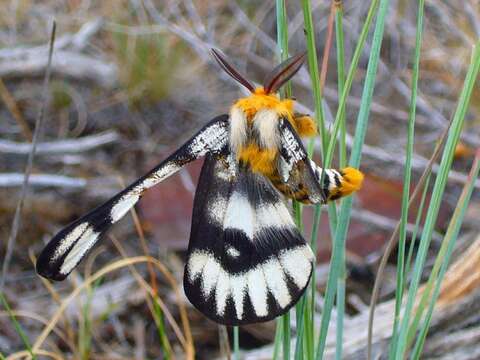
<point>236,343</point>
<point>286,91</point>
<point>17,326</point>
<point>341,283</point>
<point>29,166</point>
<point>407,173</point>
<point>437,194</point>
<point>361,127</point>
<point>444,255</point>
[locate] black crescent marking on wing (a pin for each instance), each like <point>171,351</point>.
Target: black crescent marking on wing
<point>225,257</point>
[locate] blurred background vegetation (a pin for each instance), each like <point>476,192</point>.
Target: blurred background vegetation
<point>133,79</point>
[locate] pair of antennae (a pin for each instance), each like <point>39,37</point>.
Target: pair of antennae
<point>274,79</point>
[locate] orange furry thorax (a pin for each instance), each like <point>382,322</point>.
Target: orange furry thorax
<point>260,100</point>
<point>260,158</point>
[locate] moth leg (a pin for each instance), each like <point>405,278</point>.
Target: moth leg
<point>295,172</point>
<point>72,243</point>
<point>305,125</point>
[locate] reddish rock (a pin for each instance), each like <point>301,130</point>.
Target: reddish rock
<point>166,209</point>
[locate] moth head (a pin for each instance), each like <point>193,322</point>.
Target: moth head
<point>274,79</point>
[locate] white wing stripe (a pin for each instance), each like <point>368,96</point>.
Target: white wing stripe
<point>216,210</point>
<point>157,177</point>
<point>196,264</point>
<point>240,215</point>
<point>255,283</point>
<point>238,287</point>
<point>210,275</point>
<point>68,241</point>
<point>222,291</point>
<point>84,243</point>
<point>257,290</point>
<point>276,282</point>
<point>297,264</point>
<point>273,216</point>
<point>212,138</point>
<point>125,203</point>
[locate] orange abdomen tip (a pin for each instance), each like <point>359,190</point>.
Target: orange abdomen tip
<point>352,180</point>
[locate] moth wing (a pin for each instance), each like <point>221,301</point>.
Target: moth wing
<point>246,262</point>
<point>295,167</point>
<point>71,244</point>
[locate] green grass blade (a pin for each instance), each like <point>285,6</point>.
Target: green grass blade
<point>349,80</point>
<point>85,323</point>
<point>391,243</point>
<point>161,330</point>
<point>299,350</point>
<point>278,340</point>
<point>340,44</point>
<point>407,174</point>
<point>314,75</point>
<point>300,328</point>
<point>17,326</point>
<point>309,326</point>
<point>85,331</point>
<point>344,217</point>
<point>408,262</point>
<point>341,283</point>
<point>313,282</point>
<point>320,118</point>
<point>437,195</point>
<point>443,257</point>
<point>286,91</point>
<point>286,335</point>
<point>299,307</point>
<point>236,343</point>
<point>282,41</point>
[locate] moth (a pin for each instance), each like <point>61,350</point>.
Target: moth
<point>247,262</point>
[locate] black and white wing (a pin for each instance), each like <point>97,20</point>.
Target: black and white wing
<point>295,167</point>
<point>71,244</point>
<point>247,262</point>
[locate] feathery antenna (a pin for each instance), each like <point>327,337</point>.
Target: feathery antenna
<point>282,73</point>
<point>230,70</point>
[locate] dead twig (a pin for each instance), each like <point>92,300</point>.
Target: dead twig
<point>328,45</point>
<point>77,41</point>
<point>65,63</point>
<point>67,60</point>
<point>11,105</point>
<point>69,146</point>
<point>38,125</point>
<point>8,180</point>
<point>387,223</point>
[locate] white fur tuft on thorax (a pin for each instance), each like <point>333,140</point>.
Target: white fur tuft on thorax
<point>266,123</point>
<point>238,129</point>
